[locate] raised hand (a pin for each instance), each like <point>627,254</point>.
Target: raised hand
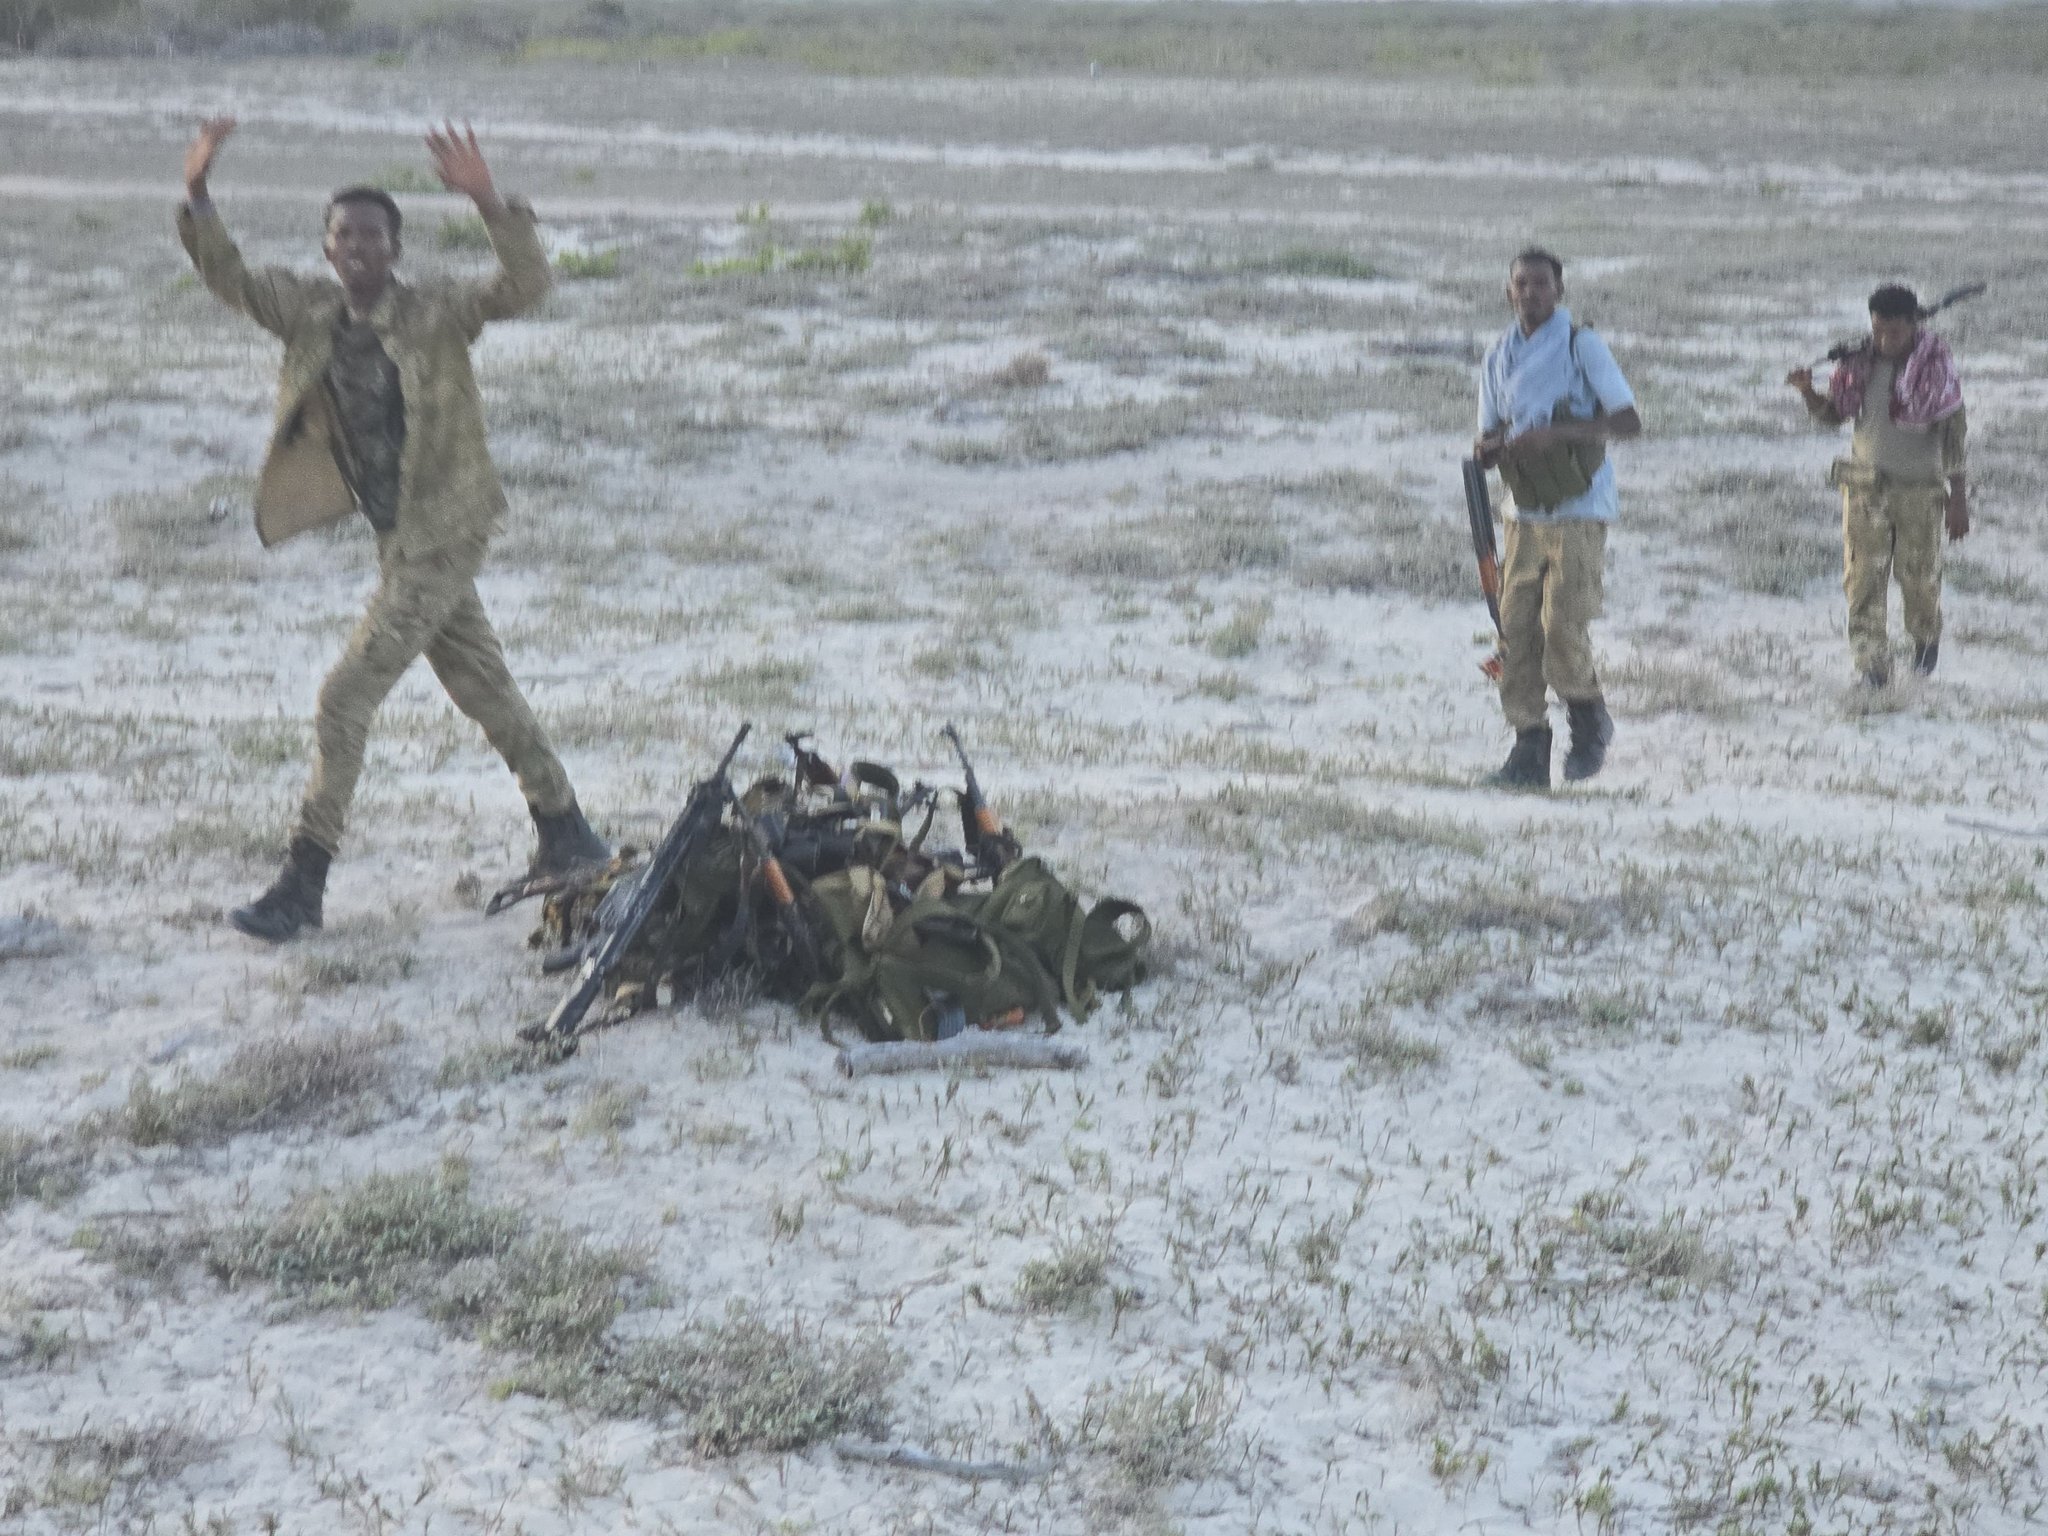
<point>213,132</point>
<point>460,164</point>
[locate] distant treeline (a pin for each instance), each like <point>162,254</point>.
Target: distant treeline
<point>1674,44</point>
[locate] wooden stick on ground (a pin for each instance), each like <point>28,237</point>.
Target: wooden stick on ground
<point>911,1459</point>
<point>973,1048</point>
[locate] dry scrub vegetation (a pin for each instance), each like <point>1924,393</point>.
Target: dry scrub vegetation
<point>1661,1156</point>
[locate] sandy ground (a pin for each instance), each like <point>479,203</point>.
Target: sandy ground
<point>1664,1154</point>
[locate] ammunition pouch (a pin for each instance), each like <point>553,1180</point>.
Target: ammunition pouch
<point>1855,478</point>
<point>1543,482</point>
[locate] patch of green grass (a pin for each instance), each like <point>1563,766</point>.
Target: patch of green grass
<point>583,266</point>
<point>404,178</point>
<point>463,232</point>
<point>845,256</point>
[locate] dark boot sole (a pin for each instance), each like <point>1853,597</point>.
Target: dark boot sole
<point>1577,772</point>
<point>258,925</point>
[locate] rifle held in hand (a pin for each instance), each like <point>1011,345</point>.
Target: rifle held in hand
<point>1479,512</point>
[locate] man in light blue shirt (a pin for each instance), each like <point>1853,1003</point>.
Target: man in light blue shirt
<point>1550,400</point>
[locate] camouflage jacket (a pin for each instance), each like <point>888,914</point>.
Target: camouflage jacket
<point>449,494</point>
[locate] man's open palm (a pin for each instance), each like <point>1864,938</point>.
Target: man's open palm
<point>460,163</point>
<point>213,132</point>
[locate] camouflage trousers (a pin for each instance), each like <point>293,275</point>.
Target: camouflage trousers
<point>1890,529</point>
<point>1551,586</point>
<point>423,606</point>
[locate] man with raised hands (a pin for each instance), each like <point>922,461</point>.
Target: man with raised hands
<point>378,415</point>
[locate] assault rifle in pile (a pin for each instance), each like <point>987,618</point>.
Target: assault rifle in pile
<point>817,891</point>
<point>706,806</point>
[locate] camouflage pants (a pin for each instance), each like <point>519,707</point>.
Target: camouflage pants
<point>423,606</point>
<point>1890,530</point>
<point>1551,584</point>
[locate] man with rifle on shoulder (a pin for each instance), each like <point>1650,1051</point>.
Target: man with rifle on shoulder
<point>1550,400</point>
<point>1905,479</point>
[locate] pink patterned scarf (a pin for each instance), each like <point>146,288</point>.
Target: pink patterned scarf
<point>1924,390</point>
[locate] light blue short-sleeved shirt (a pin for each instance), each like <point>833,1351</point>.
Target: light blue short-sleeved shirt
<point>1596,380</point>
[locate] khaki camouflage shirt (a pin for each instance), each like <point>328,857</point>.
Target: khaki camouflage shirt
<point>449,494</point>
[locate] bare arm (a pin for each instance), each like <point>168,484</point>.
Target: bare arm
<point>1818,406</point>
<point>523,277</point>
<point>273,298</point>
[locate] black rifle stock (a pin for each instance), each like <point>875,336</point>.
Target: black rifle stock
<point>1479,512</point>
<point>989,842</point>
<point>705,807</point>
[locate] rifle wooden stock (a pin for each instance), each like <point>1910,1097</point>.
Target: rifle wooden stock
<point>1479,513</point>
<point>989,842</point>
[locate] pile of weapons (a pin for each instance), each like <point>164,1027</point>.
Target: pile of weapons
<point>817,822</point>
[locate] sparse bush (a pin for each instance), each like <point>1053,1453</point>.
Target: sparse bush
<point>748,1385</point>
<point>265,1084</point>
<point>90,1466</point>
<point>1068,1281</point>
<point>555,1295</point>
<point>1480,907</point>
<point>1027,370</point>
<point>1378,1048</point>
<point>609,1108</point>
<point>35,1167</point>
<point>1240,636</point>
<point>367,1244</point>
<point>1056,434</point>
<point>493,1061</point>
<point>1155,1435</point>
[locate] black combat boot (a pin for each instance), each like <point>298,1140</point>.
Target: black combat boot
<point>1528,764</point>
<point>1925,656</point>
<point>566,842</point>
<point>1592,729</point>
<point>293,900</point>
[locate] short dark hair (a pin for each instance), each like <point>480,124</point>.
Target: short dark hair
<point>376,195</point>
<point>1530,254</point>
<point>1895,301</point>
